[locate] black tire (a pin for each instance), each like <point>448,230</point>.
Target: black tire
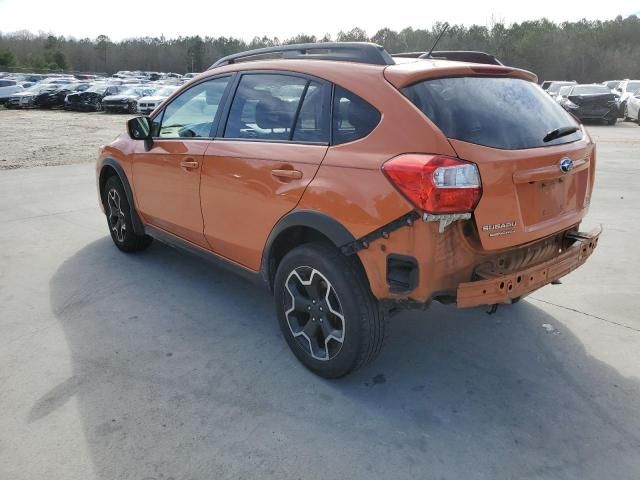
<point>351,313</point>
<point>133,107</point>
<point>118,213</point>
<point>99,106</point>
<point>612,121</point>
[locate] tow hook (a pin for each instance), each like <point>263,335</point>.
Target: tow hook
<point>493,309</point>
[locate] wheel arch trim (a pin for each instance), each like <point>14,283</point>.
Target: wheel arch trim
<point>318,221</point>
<point>138,226</point>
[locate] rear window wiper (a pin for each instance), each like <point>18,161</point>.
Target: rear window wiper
<point>560,132</point>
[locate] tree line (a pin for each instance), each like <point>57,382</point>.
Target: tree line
<point>586,51</point>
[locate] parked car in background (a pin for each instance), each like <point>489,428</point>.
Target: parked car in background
<point>25,99</point>
<point>91,99</point>
<point>633,108</point>
<point>562,93</point>
<point>8,87</point>
<point>149,103</point>
<point>86,76</point>
<point>126,100</point>
<point>612,84</point>
<point>626,89</point>
<point>56,97</point>
<point>189,76</point>
<point>555,86</point>
<point>592,102</point>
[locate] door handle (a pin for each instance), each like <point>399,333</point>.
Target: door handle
<point>290,174</point>
<point>189,164</point>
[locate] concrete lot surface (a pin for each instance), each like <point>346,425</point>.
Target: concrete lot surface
<point>158,366</point>
<point>33,138</point>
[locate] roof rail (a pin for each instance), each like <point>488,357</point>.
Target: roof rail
<point>360,52</point>
<point>455,55</point>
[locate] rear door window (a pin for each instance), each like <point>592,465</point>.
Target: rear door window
<point>505,113</point>
<point>264,107</point>
<point>353,117</point>
<point>312,124</point>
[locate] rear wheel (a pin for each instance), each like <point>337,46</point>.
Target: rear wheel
<point>612,121</point>
<point>327,314</point>
<point>118,213</point>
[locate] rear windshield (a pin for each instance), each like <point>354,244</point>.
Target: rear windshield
<point>506,113</point>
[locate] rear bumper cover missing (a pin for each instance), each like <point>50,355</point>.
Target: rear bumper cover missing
<point>502,288</point>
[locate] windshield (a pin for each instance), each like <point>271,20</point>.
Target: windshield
<point>131,91</point>
<point>41,88</point>
<point>633,87</point>
<point>165,92</point>
<point>564,91</point>
<point>96,89</point>
<point>506,113</point>
<point>590,90</point>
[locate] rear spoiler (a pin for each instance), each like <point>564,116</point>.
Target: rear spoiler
<point>454,55</point>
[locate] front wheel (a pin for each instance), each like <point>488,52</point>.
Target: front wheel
<point>327,314</point>
<point>133,107</point>
<point>118,213</point>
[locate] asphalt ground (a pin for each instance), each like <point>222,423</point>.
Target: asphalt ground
<point>159,366</point>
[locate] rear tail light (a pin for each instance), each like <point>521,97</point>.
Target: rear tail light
<point>435,183</point>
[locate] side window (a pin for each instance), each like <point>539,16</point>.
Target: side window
<point>312,124</point>
<point>192,113</point>
<point>264,107</point>
<point>353,118</point>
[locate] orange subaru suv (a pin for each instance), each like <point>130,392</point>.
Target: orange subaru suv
<point>354,184</point>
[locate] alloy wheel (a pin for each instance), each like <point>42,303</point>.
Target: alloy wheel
<point>314,313</point>
<point>117,221</point>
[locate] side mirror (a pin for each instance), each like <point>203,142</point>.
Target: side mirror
<point>139,128</point>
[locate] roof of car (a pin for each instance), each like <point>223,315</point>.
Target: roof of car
<point>404,72</point>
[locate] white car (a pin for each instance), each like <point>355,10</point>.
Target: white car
<point>8,87</point>
<point>626,89</point>
<point>633,107</point>
<point>555,86</point>
<point>562,94</point>
<point>149,103</point>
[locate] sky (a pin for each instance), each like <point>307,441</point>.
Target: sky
<point>282,18</point>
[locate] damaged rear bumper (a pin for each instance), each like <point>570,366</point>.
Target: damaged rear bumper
<point>495,288</point>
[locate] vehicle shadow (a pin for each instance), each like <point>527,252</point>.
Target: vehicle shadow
<point>179,371</point>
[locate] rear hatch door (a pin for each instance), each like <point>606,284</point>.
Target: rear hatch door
<point>534,183</point>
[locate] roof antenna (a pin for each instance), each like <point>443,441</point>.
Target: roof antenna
<point>444,29</point>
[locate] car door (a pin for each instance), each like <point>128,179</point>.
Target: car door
<point>166,174</point>
<point>255,171</point>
